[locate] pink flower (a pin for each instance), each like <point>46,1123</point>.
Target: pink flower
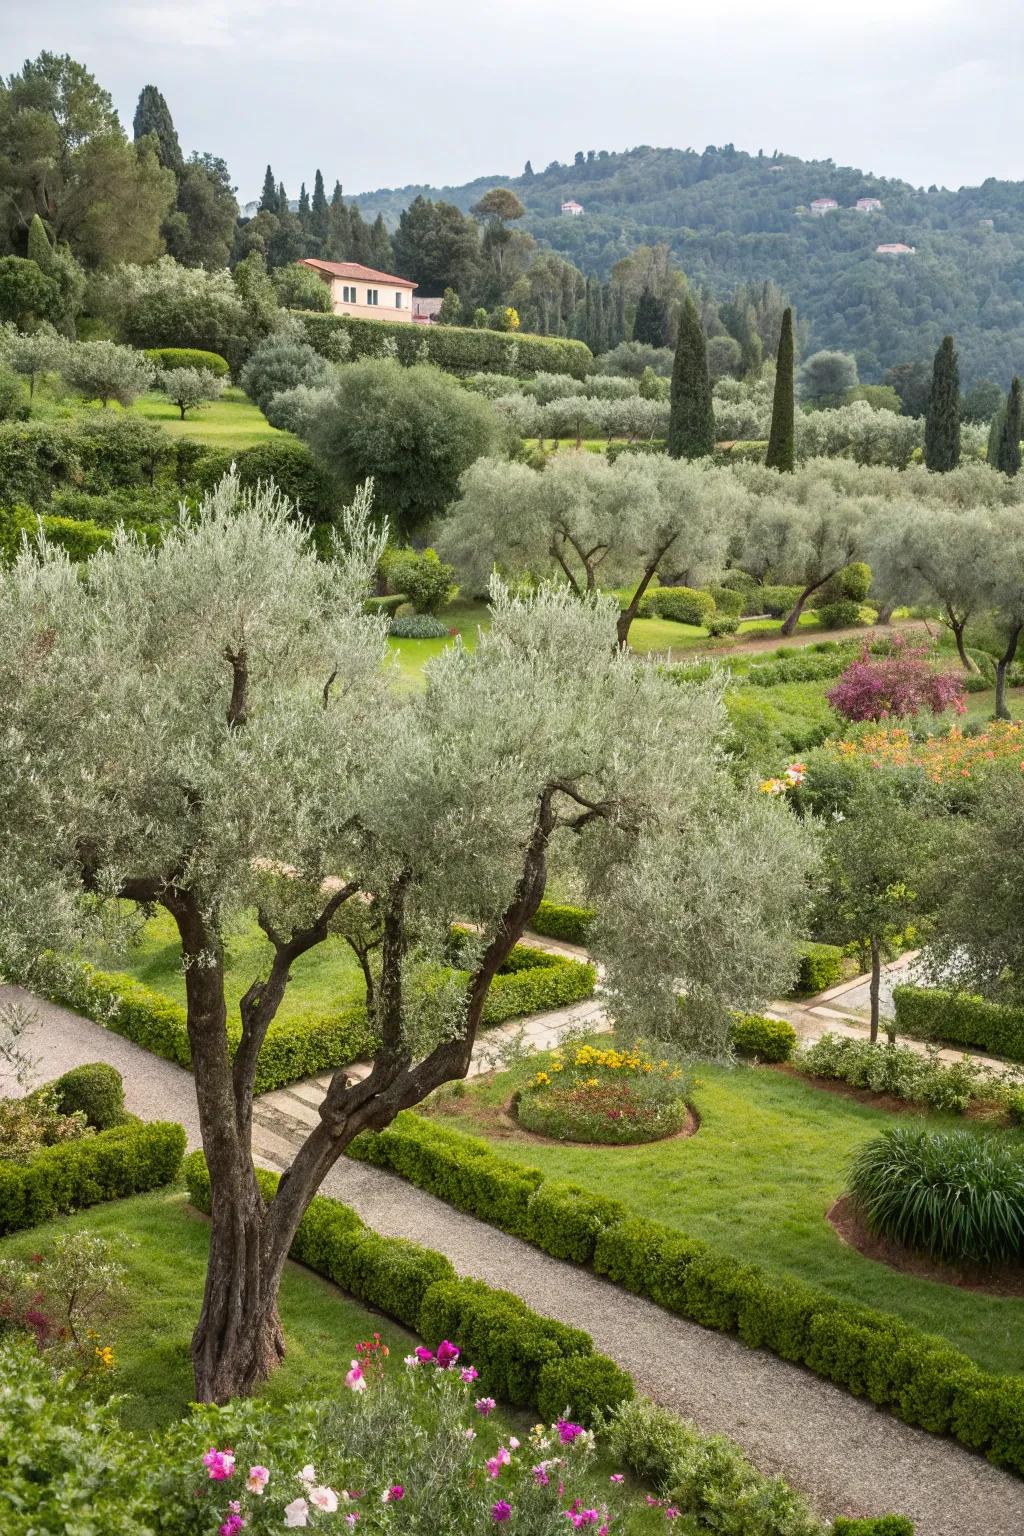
<point>232,1525</point>
<point>257,1480</point>
<point>355,1379</point>
<point>350,1520</point>
<point>567,1432</point>
<point>219,1464</point>
<point>540,1475</point>
<point>296,1513</point>
<point>616,1477</point>
<point>485,1405</point>
<point>447,1354</point>
<point>501,1511</point>
<point>308,1474</point>
<point>393,1495</point>
<point>469,1373</point>
<point>424,1356</point>
<point>470,1434</point>
<point>324,1498</point>
<point>494,1466</point>
<point>582,1517</point>
<point>671,1513</point>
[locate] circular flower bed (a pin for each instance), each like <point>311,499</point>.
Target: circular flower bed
<point>586,1093</point>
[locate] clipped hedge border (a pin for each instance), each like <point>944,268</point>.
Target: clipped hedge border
<point>930,1013</point>
<point>754,1034</point>
<point>305,1044</point>
<point>455,348</point>
<point>917,1377</point>
<point>821,967</point>
<point>127,1160</point>
<point>555,920</point>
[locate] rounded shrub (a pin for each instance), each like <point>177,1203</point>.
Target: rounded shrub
<point>841,614</point>
<point>418,626</point>
<point>96,1090</point>
<point>722,624</point>
<point>954,1195</point>
<point>684,605</point>
<point>583,1388</point>
<point>768,1039</point>
<point>294,471</point>
<point>169,358</point>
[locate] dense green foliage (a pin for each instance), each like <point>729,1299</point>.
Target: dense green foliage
<point>96,1090</point>
<point>752,1034</point>
<point>942,421</point>
<point>126,1160</point>
<point>169,358</point>
<point>781,437</point>
<point>556,920</point>
<point>905,1074</point>
<point>821,966</point>
<point>452,348</point>
<point>691,423</point>
<point>955,1196</point>
<point>931,1013</point>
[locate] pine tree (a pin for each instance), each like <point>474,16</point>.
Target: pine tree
<point>319,222</point>
<point>782,437</point>
<point>1008,458</point>
<point>39,248</point>
<point>649,321</point>
<point>153,115</point>
<point>268,197</point>
<point>691,423</point>
<point>942,421</point>
<point>304,209</point>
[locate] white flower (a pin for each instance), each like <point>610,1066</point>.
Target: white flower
<point>324,1498</point>
<point>308,1474</point>
<point>470,1434</point>
<point>411,1361</point>
<point>296,1513</point>
<point>513,1443</point>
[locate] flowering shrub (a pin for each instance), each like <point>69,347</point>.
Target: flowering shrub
<point>35,1121</point>
<point>941,758</point>
<point>62,1299</point>
<point>587,1093</point>
<point>898,685</point>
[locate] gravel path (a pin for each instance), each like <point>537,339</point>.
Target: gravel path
<point>848,1457</point>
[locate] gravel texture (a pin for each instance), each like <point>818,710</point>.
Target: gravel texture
<point>848,1457</point>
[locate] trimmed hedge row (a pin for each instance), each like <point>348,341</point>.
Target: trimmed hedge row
<point>188,357</point>
<point>929,1013</point>
<point>919,1378</point>
<point>127,1160</point>
<point>684,605</point>
<point>525,1359</point>
<point>304,1044</point>
<point>456,349</point>
<point>753,1034</point>
<point>821,967</point>
<point>555,920</point>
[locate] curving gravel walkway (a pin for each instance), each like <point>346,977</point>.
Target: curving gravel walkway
<point>848,1457</point>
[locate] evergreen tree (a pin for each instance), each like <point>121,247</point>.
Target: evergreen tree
<point>39,248</point>
<point>782,437</point>
<point>649,321</point>
<point>304,210</point>
<point>153,115</point>
<point>995,436</point>
<point>381,255</point>
<point>282,199</point>
<point>268,197</point>
<point>691,423</point>
<point>527,170</point>
<point>359,237</point>
<point>942,422</point>
<point>339,232</point>
<point>319,222</point>
<point>1008,459</point>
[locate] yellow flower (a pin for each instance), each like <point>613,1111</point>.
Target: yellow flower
<point>541,1078</point>
<point>591,1082</point>
<point>105,1356</point>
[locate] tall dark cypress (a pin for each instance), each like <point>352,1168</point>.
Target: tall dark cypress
<point>691,422</point>
<point>268,197</point>
<point>304,209</point>
<point>782,437</point>
<point>319,212</point>
<point>282,199</point>
<point>153,115</point>
<point>1008,459</point>
<point>942,421</point>
<point>649,321</point>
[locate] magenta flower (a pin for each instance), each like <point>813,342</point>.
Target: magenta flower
<point>395,1493</point>
<point>501,1511</point>
<point>671,1513</point>
<point>447,1354</point>
<point>616,1477</point>
<point>567,1432</point>
<point>219,1465</point>
<point>232,1525</point>
<point>485,1405</point>
<point>469,1373</point>
<point>540,1475</point>
<point>424,1356</point>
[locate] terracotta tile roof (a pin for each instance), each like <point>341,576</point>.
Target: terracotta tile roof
<point>352,269</point>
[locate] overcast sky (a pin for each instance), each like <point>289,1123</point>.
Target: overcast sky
<point>383,94</point>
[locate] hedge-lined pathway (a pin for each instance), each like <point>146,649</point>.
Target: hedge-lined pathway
<point>848,1457</point>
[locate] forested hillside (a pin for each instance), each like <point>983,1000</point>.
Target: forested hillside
<point>729,217</point>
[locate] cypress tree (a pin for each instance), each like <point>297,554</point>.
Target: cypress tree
<point>268,197</point>
<point>691,422</point>
<point>319,211</point>
<point>304,209</point>
<point>995,434</point>
<point>649,321</point>
<point>1008,458</point>
<point>282,199</point>
<point>782,437</point>
<point>153,115</point>
<point>942,421</point>
<point>39,249</point>
<point>381,251</point>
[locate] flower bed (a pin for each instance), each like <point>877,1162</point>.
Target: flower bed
<point>603,1095</point>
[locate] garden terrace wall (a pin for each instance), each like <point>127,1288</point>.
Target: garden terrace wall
<point>929,1013</point>
<point>917,1377</point>
<point>127,1160</point>
<point>456,349</point>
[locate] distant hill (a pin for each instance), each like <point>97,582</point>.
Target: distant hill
<point>730,216</point>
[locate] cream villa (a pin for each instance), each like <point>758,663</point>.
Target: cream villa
<point>360,291</point>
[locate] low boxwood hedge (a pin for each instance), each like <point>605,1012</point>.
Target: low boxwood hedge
<point>930,1013</point>
<point>752,1034</point>
<point>555,920</point>
<point>821,967</point>
<point>127,1160</point>
<point>685,605</point>
<point>455,348</point>
<point>919,1378</point>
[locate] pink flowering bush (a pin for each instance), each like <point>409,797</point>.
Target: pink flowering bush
<point>896,686</point>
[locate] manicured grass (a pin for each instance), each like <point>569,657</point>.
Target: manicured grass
<point>230,422</point>
<point>412,655</point>
<point>756,1181</point>
<point>326,978</point>
<point>166,1272</point>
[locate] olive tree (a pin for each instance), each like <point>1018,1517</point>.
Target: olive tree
<point>189,388</point>
<point>593,523</point>
<point>32,354</point>
<point>105,371</point>
<point>927,552</point>
<point>212,732</point>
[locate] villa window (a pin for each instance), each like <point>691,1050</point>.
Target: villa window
<point>373,295</point>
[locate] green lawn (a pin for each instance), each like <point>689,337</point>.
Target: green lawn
<point>756,1181</point>
<point>230,422</point>
<point>328,977</point>
<point>167,1268</point>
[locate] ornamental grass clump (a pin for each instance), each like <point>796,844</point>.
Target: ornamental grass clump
<point>586,1093</point>
<point>955,1196</point>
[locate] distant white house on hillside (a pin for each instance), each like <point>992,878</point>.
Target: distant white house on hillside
<point>868,205</point>
<point>823,205</point>
<point>896,249</point>
<point>572,208</point>
<point>363,291</point>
